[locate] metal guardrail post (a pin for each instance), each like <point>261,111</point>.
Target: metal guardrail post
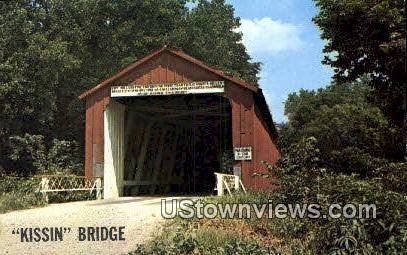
<point>228,181</point>
<point>227,187</point>
<point>219,184</point>
<point>98,186</point>
<point>44,187</point>
<point>237,182</point>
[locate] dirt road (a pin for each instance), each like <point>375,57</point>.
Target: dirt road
<point>140,217</point>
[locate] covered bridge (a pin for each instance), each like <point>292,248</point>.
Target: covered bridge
<point>168,121</point>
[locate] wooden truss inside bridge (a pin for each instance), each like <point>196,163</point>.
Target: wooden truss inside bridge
<point>172,144</point>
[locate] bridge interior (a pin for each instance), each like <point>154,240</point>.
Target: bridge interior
<point>174,144</point>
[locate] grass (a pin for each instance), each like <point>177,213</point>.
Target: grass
<point>19,193</point>
<point>387,234</point>
<point>196,237</point>
<point>216,236</point>
<point>22,193</point>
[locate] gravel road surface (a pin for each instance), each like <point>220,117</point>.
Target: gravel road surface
<point>140,217</point>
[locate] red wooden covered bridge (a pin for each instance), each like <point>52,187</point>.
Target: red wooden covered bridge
<point>168,121</point>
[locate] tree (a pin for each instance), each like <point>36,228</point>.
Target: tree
<point>33,69</point>
<point>350,132</point>
<point>368,38</point>
<point>208,33</point>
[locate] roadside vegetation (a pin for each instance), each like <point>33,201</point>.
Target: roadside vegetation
<point>21,190</point>
<point>194,237</point>
<point>298,183</point>
<point>333,152</point>
<point>19,193</point>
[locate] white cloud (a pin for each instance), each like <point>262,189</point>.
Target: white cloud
<point>269,36</point>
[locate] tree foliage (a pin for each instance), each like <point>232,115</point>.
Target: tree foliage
<point>32,152</point>
<point>51,51</point>
<point>208,33</point>
<point>302,178</point>
<point>368,38</point>
<point>351,133</point>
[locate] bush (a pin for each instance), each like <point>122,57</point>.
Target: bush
<point>19,193</point>
<point>16,201</point>
<point>9,184</point>
<point>31,152</point>
<point>22,193</point>
<point>394,176</point>
<point>387,233</point>
<point>301,180</point>
<point>354,160</point>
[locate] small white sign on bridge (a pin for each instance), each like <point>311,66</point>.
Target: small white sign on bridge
<point>243,153</point>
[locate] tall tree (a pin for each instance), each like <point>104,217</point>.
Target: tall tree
<point>368,38</point>
<point>351,133</point>
<point>208,33</point>
<point>33,68</point>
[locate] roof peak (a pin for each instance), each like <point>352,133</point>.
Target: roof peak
<point>178,52</point>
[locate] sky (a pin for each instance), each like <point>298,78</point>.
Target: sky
<point>281,35</point>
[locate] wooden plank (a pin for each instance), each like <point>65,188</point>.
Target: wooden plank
<point>134,144</point>
<point>151,153</point>
<point>227,187</point>
<point>158,162</point>
<point>171,163</point>
<point>182,137</point>
<point>142,155</point>
<point>129,126</point>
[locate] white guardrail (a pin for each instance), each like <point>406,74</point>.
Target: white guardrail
<point>61,183</point>
<point>229,182</point>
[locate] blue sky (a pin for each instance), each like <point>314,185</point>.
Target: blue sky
<point>281,35</point>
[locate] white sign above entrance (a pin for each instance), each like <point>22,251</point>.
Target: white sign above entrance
<point>243,153</point>
<point>197,87</point>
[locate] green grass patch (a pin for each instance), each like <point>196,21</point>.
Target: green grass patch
<point>16,201</point>
<point>187,237</point>
<point>19,193</point>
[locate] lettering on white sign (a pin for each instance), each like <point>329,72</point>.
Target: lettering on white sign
<point>198,87</point>
<point>243,153</point>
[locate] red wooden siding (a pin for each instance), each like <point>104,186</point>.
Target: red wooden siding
<point>242,104</point>
<point>264,149</point>
<point>94,151</point>
<point>166,69</point>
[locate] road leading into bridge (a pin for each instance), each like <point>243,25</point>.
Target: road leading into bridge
<point>135,220</point>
